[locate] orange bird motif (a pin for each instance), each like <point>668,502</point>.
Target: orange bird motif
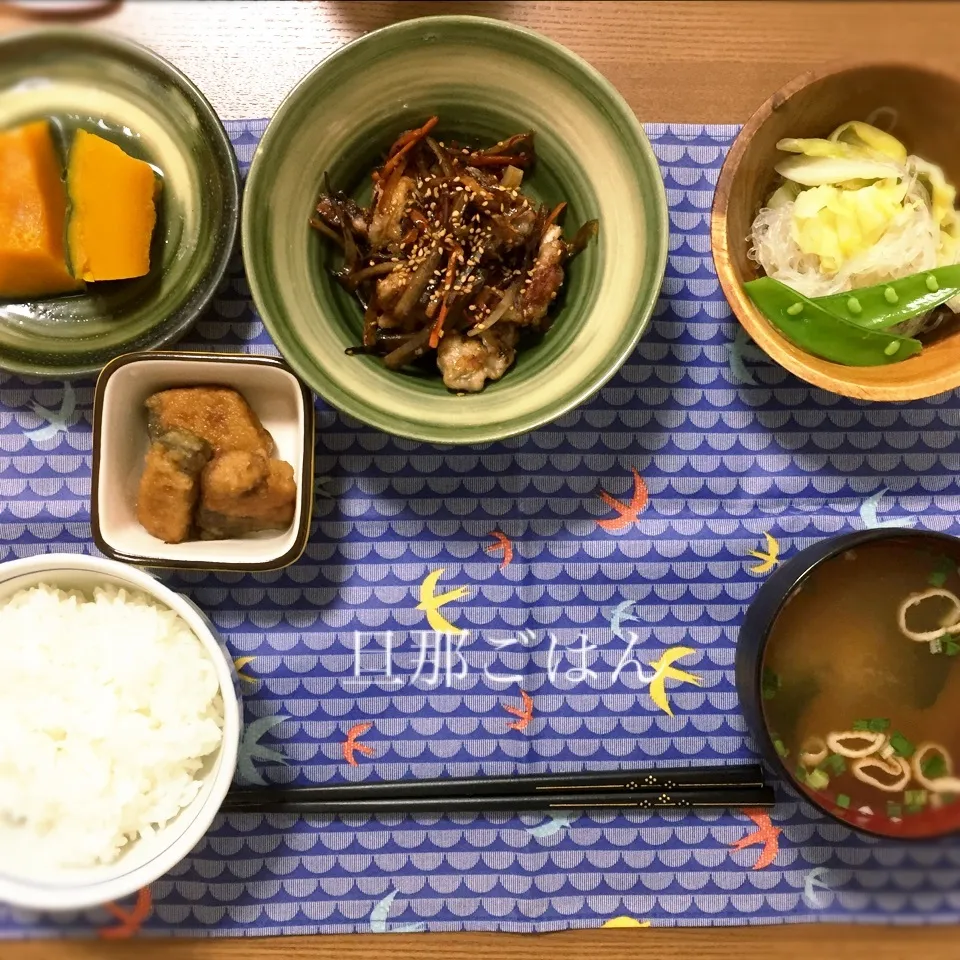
<point>130,920</point>
<point>523,716</point>
<point>628,513</point>
<point>350,745</point>
<point>503,543</point>
<point>766,833</point>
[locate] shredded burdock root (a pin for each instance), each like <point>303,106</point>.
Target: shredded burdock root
<point>950,622</point>
<point>896,770</point>
<point>450,248</point>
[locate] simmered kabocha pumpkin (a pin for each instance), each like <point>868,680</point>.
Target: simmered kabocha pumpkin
<point>112,210</point>
<point>33,205</point>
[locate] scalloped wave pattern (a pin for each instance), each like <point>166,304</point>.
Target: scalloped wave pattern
<point>730,447</point>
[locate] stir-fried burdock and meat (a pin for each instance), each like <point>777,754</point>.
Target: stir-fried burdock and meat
<point>450,260</point>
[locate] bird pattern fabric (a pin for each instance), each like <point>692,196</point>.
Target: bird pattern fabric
<point>596,570</point>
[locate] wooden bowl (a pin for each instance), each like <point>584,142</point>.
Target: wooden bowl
<point>926,102</point>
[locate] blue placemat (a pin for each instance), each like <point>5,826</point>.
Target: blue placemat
<point>551,671</point>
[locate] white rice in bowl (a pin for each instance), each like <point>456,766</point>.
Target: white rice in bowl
<point>108,707</point>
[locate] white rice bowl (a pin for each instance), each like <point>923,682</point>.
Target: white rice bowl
<point>120,725</point>
<point>110,705</point>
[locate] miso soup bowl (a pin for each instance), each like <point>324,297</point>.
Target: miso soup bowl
<point>757,628</point>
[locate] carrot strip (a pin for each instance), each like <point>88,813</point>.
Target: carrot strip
<point>434,340</point>
<point>413,138</point>
<point>455,255</point>
<point>405,138</point>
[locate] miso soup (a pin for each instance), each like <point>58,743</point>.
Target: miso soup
<point>861,685</point>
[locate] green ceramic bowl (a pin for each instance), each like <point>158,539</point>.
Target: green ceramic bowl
<point>127,94</point>
<point>486,80</point>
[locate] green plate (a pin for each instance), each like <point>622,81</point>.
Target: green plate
<point>129,95</point>
<point>486,80</point>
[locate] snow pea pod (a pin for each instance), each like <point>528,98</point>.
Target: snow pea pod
<point>887,304</point>
<point>807,325</point>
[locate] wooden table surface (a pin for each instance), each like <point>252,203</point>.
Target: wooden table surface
<point>679,61</point>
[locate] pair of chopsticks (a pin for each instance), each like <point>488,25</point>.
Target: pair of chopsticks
<point>679,787</point>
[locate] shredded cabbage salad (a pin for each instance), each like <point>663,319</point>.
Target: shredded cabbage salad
<point>855,210</point>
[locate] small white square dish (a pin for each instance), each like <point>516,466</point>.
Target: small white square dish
<point>279,399</point>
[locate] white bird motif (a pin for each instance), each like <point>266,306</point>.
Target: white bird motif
<point>251,749</point>
<point>557,822</point>
<point>624,611</point>
<point>380,912</point>
<point>737,366</point>
<point>58,421</point>
<point>320,487</point>
<point>868,513</point>
<point>815,879</point>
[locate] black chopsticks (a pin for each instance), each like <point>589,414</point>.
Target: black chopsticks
<point>718,786</point>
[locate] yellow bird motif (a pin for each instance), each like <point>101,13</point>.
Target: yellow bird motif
<point>626,922</point>
<point>665,671</point>
<point>239,663</point>
<point>769,559</point>
<point>431,602</point>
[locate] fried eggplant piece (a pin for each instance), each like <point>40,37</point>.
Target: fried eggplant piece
<point>170,485</point>
<point>218,415</point>
<point>244,493</point>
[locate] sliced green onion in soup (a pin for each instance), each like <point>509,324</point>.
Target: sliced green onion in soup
<point>874,725</point>
<point>902,747</point>
<point>935,757</point>
<point>843,801</point>
<point>915,799</point>
<point>934,766</point>
<point>834,765</point>
<point>817,780</point>
<point>940,573</point>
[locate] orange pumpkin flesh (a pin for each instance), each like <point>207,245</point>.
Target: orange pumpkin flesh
<point>33,204</point>
<point>112,211</point>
